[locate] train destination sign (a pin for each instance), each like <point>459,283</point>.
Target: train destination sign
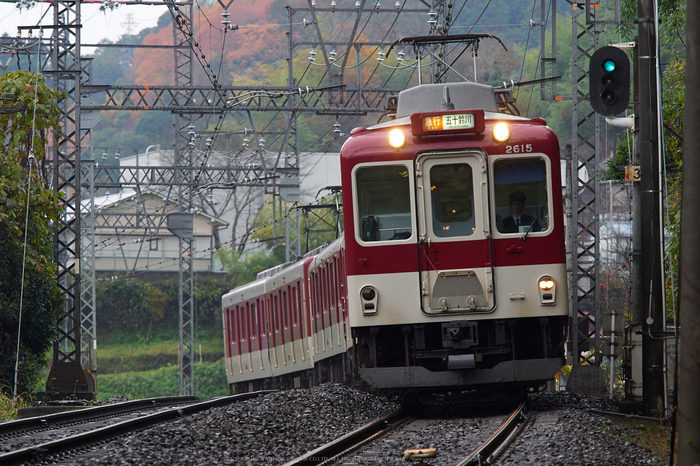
<point>442,122</point>
<point>461,121</point>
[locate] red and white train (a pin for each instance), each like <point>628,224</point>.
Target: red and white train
<point>434,284</point>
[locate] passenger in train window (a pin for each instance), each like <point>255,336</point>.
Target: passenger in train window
<point>518,221</point>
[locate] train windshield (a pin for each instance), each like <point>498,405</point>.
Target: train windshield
<point>451,195</point>
<point>384,203</point>
<point>521,195</point>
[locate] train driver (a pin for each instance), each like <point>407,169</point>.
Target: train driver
<point>517,221</point>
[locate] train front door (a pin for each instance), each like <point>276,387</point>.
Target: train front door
<point>455,248</point>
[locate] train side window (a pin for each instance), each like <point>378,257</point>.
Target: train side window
<point>324,288</point>
<point>254,321</point>
<point>384,203</point>
<point>248,316</point>
<point>452,200</point>
<point>285,309</point>
<point>520,193</point>
<point>232,326</point>
<point>331,283</point>
<point>276,311</point>
<point>295,308</point>
<point>236,325</point>
<point>262,319</point>
<point>299,304</point>
<point>317,293</point>
<point>244,323</point>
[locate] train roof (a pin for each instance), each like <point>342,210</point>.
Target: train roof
<point>432,97</point>
<point>278,268</point>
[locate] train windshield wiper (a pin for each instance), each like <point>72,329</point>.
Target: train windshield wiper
<point>529,228</point>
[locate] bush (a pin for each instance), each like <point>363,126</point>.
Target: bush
<point>209,379</point>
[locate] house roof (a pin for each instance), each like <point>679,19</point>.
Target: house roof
<point>128,196</point>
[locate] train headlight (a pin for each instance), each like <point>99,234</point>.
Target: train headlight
<point>397,138</point>
<point>501,132</point>
<point>546,284</point>
<point>548,288</point>
<point>368,295</point>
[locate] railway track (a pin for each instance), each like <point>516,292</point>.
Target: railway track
<point>378,442</point>
<point>75,432</point>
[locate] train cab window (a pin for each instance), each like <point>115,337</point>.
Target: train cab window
<point>520,193</point>
<point>384,203</point>
<point>452,195</point>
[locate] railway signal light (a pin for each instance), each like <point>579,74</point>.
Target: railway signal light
<point>609,78</point>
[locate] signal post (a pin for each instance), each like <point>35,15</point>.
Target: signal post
<point>648,286</point>
<point>688,417</point>
<point>609,80</point>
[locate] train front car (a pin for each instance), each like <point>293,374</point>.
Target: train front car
<point>454,232</point>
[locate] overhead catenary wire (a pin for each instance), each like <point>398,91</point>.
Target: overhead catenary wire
<point>527,43</point>
<point>30,160</point>
<point>203,17</point>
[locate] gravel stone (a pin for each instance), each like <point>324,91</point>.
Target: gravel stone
<point>278,427</point>
<point>565,432</point>
<point>271,429</point>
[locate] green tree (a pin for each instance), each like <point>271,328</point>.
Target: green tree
<point>130,307</point>
<point>316,229</point>
<point>135,309</point>
<point>243,268</point>
<point>208,292</point>
<point>29,120</point>
<point>672,53</point>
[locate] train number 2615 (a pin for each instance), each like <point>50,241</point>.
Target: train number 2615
<point>518,148</point>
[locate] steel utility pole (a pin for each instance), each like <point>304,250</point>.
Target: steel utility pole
<point>584,239</point>
<point>689,368</point>
<point>67,376</point>
<point>648,296</point>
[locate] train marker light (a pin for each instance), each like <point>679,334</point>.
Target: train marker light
<point>369,300</point>
<point>501,132</point>
<point>548,288</point>
<point>397,138</point>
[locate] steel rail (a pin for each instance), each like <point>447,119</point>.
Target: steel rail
<point>349,440</point>
<point>628,420</point>
<point>49,420</point>
<point>499,440</point>
<point>103,433</point>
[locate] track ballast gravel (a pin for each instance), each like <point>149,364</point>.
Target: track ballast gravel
<point>278,427</point>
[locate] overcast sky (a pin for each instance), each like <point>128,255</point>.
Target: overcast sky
<point>97,25</point>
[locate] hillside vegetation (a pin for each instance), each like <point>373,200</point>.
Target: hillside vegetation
<point>256,54</point>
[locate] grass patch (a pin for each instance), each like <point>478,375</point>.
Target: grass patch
<point>655,438</point>
<point>209,381</point>
<point>136,370</point>
<point>10,405</point>
<point>138,356</point>
<point>131,349</point>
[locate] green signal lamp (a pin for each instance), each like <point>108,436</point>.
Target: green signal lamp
<point>609,66</point>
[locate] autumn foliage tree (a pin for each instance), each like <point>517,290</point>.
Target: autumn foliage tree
<point>29,120</point>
